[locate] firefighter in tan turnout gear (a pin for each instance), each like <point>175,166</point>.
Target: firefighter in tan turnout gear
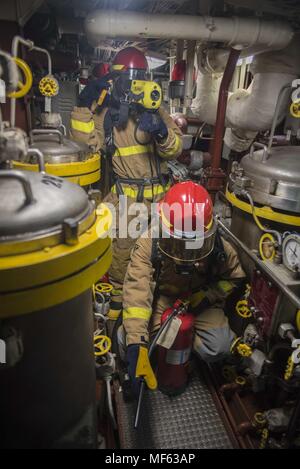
<point>203,274</point>
<point>137,144</point>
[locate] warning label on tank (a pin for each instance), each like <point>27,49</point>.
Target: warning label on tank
<point>178,357</point>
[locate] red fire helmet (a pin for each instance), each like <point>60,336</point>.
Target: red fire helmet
<point>132,61</point>
<point>187,224</point>
<point>100,70</point>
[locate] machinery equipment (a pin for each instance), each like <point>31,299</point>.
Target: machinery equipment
<point>50,257</point>
<point>63,157</point>
<point>54,245</point>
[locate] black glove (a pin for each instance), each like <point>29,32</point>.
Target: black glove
<point>152,123</point>
<point>92,92</point>
<point>139,367</point>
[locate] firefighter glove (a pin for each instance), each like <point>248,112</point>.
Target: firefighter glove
<point>95,90</point>
<point>139,368</point>
<point>152,123</point>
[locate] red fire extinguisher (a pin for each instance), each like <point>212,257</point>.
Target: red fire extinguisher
<point>172,372</point>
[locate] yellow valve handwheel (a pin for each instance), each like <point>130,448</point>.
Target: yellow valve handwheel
<point>289,370</point>
<point>48,86</point>
<point>264,438</point>
<point>259,419</point>
<point>240,380</point>
<point>244,350</point>
<point>103,344</point>
<point>243,309</point>
<point>103,288</point>
<point>267,247</point>
<point>295,109</point>
<point>26,86</point>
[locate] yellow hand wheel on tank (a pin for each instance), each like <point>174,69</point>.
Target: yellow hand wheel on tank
<point>48,86</point>
<point>102,345</point>
<point>23,87</point>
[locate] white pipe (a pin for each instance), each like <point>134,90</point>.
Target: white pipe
<point>252,110</point>
<point>190,63</point>
<point>234,31</point>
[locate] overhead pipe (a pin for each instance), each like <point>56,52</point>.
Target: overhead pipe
<point>217,143</point>
<point>231,31</point>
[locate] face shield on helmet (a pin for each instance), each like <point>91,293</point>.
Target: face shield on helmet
<point>129,64</point>
<point>187,225</point>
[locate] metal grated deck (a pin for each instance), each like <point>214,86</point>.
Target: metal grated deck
<point>187,421</point>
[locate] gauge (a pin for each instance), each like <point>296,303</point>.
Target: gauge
<point>291,252</point>
<point>267,247</point>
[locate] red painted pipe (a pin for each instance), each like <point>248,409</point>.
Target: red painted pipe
<point>217,142</point>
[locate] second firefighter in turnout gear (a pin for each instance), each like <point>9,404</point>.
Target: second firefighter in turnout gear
<point>137,144</point>
<point>163,271</point>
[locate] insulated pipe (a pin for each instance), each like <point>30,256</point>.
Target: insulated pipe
<point>217,143</point>
<point>234,31</point>
<point>189,74</point>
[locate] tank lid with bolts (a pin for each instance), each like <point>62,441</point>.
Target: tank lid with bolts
<point>275,176</point>
<point>38,209</point>
<point>56,147</point>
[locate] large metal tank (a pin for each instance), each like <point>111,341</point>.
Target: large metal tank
<point>267,183</point>
<point>63,157</point>
<point>54,245</point>
<point>272,178</point>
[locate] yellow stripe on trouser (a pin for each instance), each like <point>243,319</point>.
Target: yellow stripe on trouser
<point>133,150</point>
<point>171,151</point>
<point>148,193</point>
<point>135,312</point>
<point>197,297</point>
<point>113,314</point>
<point>85,127</point>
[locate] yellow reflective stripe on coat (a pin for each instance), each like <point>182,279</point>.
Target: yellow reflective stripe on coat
<point>133,150</point>
<point>135,312</point>
<point>148,193</point>
<point>85,127</point>
<point>174,148</point>
<point>197,297</point>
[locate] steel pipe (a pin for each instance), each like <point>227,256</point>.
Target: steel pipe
<point>232,31</point>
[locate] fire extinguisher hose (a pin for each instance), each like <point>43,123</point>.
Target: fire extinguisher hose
<point>151,350</point>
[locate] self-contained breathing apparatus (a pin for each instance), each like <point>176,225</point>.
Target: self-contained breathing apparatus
<point>131,95</point>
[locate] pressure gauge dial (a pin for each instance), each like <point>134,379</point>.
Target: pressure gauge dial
<point>291,252</point>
